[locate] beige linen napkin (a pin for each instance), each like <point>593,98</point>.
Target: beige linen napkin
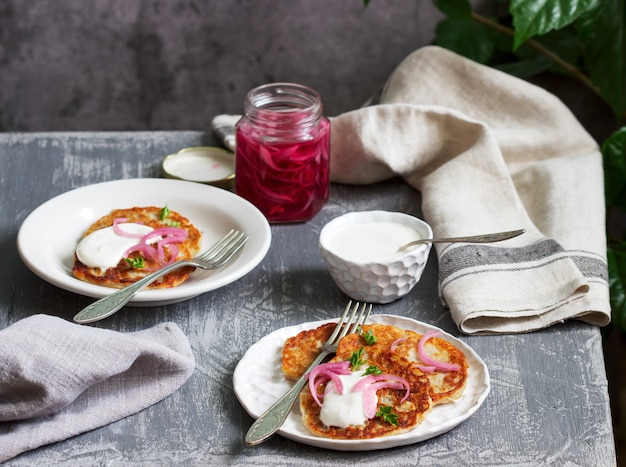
<point>59,379</point>
<point>489,152</point>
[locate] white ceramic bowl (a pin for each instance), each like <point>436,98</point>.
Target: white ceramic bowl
<point>360,250</point>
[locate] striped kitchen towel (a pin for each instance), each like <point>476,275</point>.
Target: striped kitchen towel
<point>489,152</point>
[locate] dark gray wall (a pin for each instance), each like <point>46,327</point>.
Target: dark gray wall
<point>174,64</point>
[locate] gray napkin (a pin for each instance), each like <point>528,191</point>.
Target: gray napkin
<point>59,379</point>
<point>489,152</point>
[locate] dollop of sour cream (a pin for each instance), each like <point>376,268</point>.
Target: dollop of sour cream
<point>345,409</point>
<point>104,248</point>
<point>371,241</point>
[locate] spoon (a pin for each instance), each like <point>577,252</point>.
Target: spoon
<point>486,238</point>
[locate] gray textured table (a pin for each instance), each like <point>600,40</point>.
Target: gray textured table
<point>548,404</point>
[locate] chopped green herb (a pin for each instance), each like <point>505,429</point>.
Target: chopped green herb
<point>370,338</point>
<point>387,415</point>
<point>137,262</point>
<point>171,223</point>
<point>372,370</point>
<point>165,212</point>
<point>355,359</point>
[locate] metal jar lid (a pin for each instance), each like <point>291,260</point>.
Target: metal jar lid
<point>202,164</point>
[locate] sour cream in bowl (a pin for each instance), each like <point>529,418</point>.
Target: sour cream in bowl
<point>360,250</point>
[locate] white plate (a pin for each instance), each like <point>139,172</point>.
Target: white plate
<point>258,382</point>
<point>49,235</point>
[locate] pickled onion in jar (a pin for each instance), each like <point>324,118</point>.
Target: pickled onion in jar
<point>282,155</point>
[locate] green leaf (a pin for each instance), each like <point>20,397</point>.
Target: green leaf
<point>386,412</point>
<point>617,285</point>
<point>372,370</point>
<point>454,8</point>
<point>136,263</point>
<point>537,17</point>
<point>466,38</point>
<point>603,31</point>
<point>527,61</point>
<point>614,160</point>
<point>369,337</point>
<point>526,68</point>
<point>165,211</point>
<point>355,358</point>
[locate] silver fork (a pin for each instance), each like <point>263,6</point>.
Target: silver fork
<point>270,421</point>
<point>218,255</point>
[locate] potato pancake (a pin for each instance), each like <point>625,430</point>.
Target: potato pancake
<point>135,266</point>
<point>410,412</point>
<point>395,352</point>
<point>446,386</point>
<point>299,351</point>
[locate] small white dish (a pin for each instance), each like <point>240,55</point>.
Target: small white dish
<point>372,269</point>
<point>49,235</point>
<point>202,164</point>
<point>258,382</point>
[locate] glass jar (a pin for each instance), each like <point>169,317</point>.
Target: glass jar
<point>282,152</point>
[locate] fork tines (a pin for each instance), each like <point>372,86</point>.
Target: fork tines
<point>224,248</point>
<point>351,320</point>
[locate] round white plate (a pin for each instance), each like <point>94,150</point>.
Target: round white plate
<point>49,235</point>
<point>258,382</point>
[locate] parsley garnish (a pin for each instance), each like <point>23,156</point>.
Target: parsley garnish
<point>171,223</point>
<point>355,359</point>
<point>165,212</point>
<point>387,415</point>
<point>370,338</point>
<point>135,262</point>
<point>372,370</point>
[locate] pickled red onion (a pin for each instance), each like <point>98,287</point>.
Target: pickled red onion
<point>327,372</point>
<point>393,382</point>
<point>121,232</point>
<point>164,232</point>
<point>147,251</point>
<point>285,181</point>
<point>154,249</point>
<point>372,383</point>
<point>395,343</point>
<point>421,352</point>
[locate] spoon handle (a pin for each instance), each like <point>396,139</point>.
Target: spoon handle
<point>486,238</point>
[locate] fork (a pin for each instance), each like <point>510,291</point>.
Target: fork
<point>215,257</point>
<point>270,421</point>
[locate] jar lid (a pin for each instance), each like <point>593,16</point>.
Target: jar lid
<point>202,164</point>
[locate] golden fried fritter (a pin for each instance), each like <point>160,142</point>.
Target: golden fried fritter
<point>395,352</point>
<point>410,413</point>
<point>124,273</point>
<point>445,385</point>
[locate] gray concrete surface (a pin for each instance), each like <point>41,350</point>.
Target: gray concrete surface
<point>174,64</point>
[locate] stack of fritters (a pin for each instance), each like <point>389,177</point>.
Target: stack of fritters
<point>395,352</point>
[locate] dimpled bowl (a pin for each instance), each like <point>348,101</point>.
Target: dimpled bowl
<point>383,281</point>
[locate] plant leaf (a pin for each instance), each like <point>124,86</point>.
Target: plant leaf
<point>617,285</point>
<point>537,17</point>
<point>454,8</point>
<point>614,160</point>
<point>526,68</point>
<point>603,31</point>
<point>464,37</point>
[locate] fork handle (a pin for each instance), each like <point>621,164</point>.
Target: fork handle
<point>111,303</point>
<point>273,418</point>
